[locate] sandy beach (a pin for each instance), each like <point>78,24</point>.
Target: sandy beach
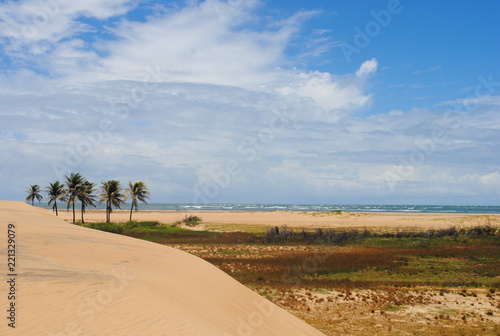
<point>70,280</point>
<point>300,219</point>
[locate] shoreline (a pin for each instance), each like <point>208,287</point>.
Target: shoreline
<point>293,211</point>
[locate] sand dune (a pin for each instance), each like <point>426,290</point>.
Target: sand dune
<point>77,281</point>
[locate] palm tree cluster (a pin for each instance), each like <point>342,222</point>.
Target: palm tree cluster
<point>77,189</point>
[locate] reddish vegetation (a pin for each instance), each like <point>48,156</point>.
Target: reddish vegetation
<point>299,279</point>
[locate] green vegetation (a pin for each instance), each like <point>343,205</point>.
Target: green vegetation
<point>107,227</point>
<point>151,230</point>
<point>191,221</point>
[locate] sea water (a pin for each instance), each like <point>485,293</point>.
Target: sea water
<point>305,207</point>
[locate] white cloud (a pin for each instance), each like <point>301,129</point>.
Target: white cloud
<point>368,67</point>
<point>194,88</point>
<point>29,22</point>
<point>200,43</point>
<point>327,91</point>
<point>476,101</point>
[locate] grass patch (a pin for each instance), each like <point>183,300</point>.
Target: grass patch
<point>107,227</point>
<point>257,229</point>
<point>318,266</point>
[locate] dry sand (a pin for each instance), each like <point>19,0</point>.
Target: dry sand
<point>301,219</point>
<point>77,281</point>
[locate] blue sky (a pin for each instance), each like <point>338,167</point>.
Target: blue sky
<point>255,101</point>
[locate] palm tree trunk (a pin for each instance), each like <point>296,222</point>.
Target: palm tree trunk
<point>55,207</point>
<point>108,212</point>
<point>132,208</point>
<point>83,210</point>
<point>74,212</point>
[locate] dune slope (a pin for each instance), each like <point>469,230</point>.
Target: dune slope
<point>77,281</point>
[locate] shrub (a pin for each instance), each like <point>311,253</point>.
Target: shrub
<point>419,239</point>
<point>274,234</point>
<point>191,221</point>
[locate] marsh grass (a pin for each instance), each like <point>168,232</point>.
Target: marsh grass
<point>107,227</point>
<point>341,258</point>
<point>363,267</point>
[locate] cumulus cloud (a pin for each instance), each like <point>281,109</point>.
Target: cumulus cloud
<point>327,91</point>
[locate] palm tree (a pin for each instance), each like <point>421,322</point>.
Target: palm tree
<point>55,191</point>
<point>137,191</point>
<point>34,192</point>
<point>85,196</point>
<point>74,183</point>
<point>111,194</point>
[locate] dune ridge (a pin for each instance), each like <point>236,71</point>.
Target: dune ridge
<point>77,281</point>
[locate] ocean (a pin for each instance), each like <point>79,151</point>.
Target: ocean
<point>308,207</point>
